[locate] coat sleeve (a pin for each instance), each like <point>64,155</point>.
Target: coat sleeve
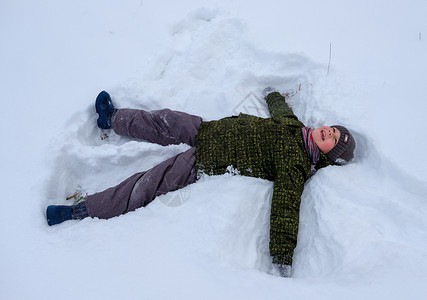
<point>278,106</point>
<point>284,217</point>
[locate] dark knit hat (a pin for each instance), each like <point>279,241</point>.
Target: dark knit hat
<point>344,149</point>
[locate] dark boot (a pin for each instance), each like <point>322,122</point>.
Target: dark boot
<point>105,109</point>
<point>57,214</point>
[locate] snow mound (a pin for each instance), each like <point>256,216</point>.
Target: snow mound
<point>356,221</point>
<point>363,226</point>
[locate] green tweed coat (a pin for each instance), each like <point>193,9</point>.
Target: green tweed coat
<point>268,148</point>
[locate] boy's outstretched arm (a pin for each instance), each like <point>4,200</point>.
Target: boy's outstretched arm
<point>278,106</point>
<point>284,217</point>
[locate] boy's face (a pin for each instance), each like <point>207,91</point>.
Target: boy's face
<point>326,138</point>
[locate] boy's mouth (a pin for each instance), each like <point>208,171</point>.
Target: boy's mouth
<point>323,134</point>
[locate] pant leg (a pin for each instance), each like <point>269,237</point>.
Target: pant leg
<point>163,127</point>
<point>141,188</point>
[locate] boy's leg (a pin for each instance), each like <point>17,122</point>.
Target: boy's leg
<point>163,127</point>
<point>140,189</point>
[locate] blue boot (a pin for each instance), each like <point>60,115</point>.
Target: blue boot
<point>105,109</point>
<point>57,214</point>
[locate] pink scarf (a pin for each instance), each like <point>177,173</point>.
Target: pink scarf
<point>311,148</point>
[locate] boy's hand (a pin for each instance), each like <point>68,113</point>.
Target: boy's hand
<point>287,94</point>
<point>268,90</point>
<point>282,270</point>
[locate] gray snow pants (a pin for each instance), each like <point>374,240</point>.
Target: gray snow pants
<point>163,127</point>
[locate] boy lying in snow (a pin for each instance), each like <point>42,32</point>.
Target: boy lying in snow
<point>280,149</point>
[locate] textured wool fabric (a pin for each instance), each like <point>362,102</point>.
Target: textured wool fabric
<point>271,149</point>
<point>344,149</point>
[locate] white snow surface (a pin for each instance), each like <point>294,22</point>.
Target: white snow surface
<point>363,226</point>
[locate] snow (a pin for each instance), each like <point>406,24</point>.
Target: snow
<point>363,226</point>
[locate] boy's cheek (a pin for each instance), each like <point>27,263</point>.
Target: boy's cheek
<point>327,146</point>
